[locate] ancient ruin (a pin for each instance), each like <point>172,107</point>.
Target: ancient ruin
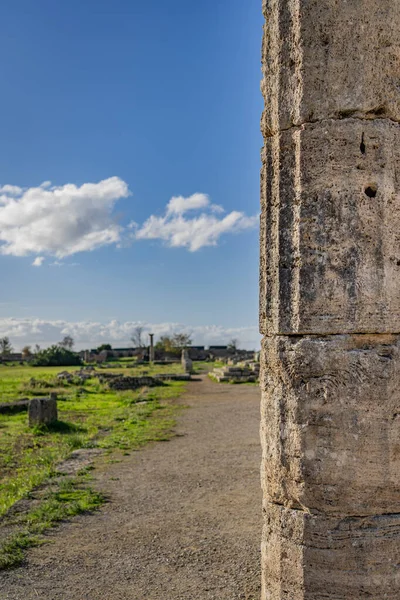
<point>330,300</point>
<point>186,362</point>
<point>242,372</point>
<point>152,354</point>
<point>42,411</point>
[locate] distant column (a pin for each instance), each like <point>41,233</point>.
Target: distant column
<point>186,361</point>
<point>151,335</point>
<point>330,300</point>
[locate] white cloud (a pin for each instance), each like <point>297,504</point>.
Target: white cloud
<point>179,205</point>
<point>11,190</point>
<point>58,263</point>
<point>177,230</point>
<point>91,334</point>
<point>38,261</point>
<point>59,220</point>
<point>216,208</point>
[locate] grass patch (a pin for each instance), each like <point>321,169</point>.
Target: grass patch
<point>203,367</point>
<point>70,498</point>
<point>90,415</point>
<point>12,551</point>
<point>57,427</point>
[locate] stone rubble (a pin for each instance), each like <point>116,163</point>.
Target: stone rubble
<point>121,383</point>
<point>246,372</point>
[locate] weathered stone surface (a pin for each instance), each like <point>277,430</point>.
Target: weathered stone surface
<point>241,373</point>
<point>331,423</point>
<point>173,376</point>
<point>330,253</point>
<point>10,408</point>
<point>317,557</point>
<point>330,59</point>
<point>121,383</point>
<point>42,411</point>
<point>186,362</point>
<point>330,300</point>
<point>152,350</point>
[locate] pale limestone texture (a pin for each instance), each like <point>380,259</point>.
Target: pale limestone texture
<point>331,423</point>
<point>330,59</point>
<point>331,252</point>
<point>330,300</point>
<point>318,557</point>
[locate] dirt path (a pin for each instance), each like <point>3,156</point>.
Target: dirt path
<point>183,523</point>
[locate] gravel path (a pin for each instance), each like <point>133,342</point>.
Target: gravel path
<point>183,523</point>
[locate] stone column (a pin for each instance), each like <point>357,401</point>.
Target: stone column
<point>186,361</point>
<point>330,300</point>
<point>151,335</point>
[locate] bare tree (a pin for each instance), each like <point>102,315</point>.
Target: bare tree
<point>180,341</point>
<point>233,344</point>
<point>37,348</point>
<point>137,337</point>
<point>67,342</point>
<point>5,346</point>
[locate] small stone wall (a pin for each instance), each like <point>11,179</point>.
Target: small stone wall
<point>12,408</point>
<point>173,377</point>
<point>244,373</point>
<point>132,383</point>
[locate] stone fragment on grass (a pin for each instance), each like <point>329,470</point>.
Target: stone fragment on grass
<point>11,408</point>
<point>42,411</point>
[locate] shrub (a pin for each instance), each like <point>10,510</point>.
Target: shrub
<point>55,356</point>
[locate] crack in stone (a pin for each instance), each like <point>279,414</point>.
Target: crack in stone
<point>300,126</point>
<point>341,516</point>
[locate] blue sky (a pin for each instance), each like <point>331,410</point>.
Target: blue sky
<point>159,100</point>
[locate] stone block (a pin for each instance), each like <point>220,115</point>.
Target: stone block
<point>173,377</point>
<point>330,229</point>
<point>188,365</point>
<point>331,423</point>
<point>332,558</point>
<point>120,383</point>
<point>12,408</point>
<point>323,59</point>
<point>42,411</point>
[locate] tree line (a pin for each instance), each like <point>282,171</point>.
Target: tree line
<point>56,355</point>
<point>6,347</point>
<point>171,344</point>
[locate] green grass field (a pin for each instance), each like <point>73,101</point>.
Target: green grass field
<point>90,415</point>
